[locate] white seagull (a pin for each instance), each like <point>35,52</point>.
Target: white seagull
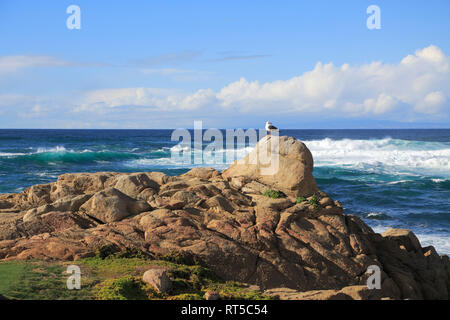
<point>270,127</point>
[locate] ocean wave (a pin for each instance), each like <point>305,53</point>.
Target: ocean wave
<point>44,174</point>
<point>377,216</point>
<point>215,158</point>
<point>160,157</point>
<point>398,182</point>
<point>383,155</point>
<point>59,154</point>
<point>438,180</point>
<point>440,242</point>
<point>170,163</point>
<point>60,149</point>
<point>11,154</point>
<point>239,149</point>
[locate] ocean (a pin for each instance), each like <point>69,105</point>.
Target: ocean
<point>390,178</point>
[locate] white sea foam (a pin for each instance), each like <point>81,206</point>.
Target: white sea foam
<point>11,154</point>
<point>45,174</point>
<point>168,163</point>
<point>391,156</point>
<point>54,149</point>
<point>376,215</point>
<point>383,155</point>
<point>440,242</point>
<point>219,158</point>
<point>179,148</point>
<point>439,180</point>
<point>397,182</point>
<point>162,162</point>
<point>57,149</point>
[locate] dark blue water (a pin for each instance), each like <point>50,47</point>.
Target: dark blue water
<point>398,178</point>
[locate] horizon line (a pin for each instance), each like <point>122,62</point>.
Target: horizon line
<point>417,128</point>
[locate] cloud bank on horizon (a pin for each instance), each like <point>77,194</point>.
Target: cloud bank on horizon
<point>415,88</point>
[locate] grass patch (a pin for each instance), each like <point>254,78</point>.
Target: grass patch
<point>10,273</point>
<point>231,290</point>
<point>300,200</point>
<point>126,288</point>
<point>116,276</point>
<point>272,194</point>
<point>314,201</point>
<point>37,280</point>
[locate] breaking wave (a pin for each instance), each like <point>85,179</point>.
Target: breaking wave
<point>60,154</point>
<point>383,155</point>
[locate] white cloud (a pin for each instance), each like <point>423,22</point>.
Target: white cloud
<point>374,88</point>
<point>159,99</point>
<point>432,102</point>
<point>111,98</point>
<point>380,105</point>
<point>420,81</point>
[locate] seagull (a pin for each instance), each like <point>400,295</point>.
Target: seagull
<point>270,127</point>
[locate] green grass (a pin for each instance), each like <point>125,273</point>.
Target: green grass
<point>272,194</point>
<point>314,201</point>
<point>233,290</point>
<point>37,280</point>
<point>300,199</point>
<point>115,276</point>
<point>10,273</point>
<point>126,288</point>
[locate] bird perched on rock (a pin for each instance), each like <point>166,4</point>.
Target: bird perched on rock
<point>270,127</point>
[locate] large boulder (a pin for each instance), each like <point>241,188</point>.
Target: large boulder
<point>292,166</point>
<point>404,238</point>
<point>158,279</point>
<point>133,184</point>
<point>38,194</point>
<point>63,205</point>
<point>202,173</point>
<point>53,221</point>
<point>112,205</point>
<point>72,184</point>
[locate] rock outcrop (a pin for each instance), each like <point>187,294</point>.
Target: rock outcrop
<point>290,171</point>
<point>305,250</point>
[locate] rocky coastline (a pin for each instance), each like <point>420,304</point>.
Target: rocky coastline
<point>279,233</point>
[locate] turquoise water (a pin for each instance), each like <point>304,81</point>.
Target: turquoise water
<point>398,178</point>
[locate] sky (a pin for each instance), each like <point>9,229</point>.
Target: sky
<point>231,64</point>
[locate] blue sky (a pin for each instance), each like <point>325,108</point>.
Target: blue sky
<point>164,64</point>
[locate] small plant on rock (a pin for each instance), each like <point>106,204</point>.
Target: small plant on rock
<point>272,194</point>
<point>301,199</point>
<point>314,201</point>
